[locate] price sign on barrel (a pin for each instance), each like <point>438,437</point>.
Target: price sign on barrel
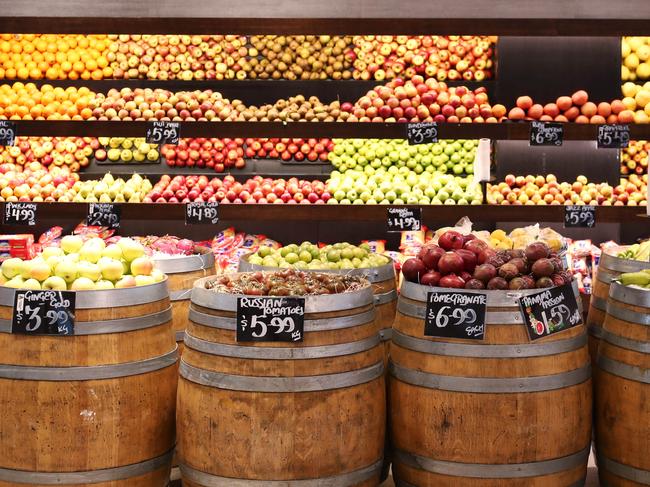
<point>550,311</point>
<point>455,315</point>
<point>270,319</point>
<point>44,312</point>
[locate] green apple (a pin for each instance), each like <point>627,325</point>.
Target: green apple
<point>15,282</point>
<point>67,270</point>
<point>158,275</point>
<point>142,280</point>
<point>71,243</point>
<point>89,270</point>
<point>52,251</point>
<point>54,283</point>
<point>40,270</point>
<point>113,251</point>
<point>112,269</point>
<point>82,284</point>
<point>11,267</point>
<point>31,284</point>
<point>130,249</point>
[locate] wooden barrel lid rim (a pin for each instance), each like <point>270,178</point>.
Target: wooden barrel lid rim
<point>89,477</point>
<point>186,263</point>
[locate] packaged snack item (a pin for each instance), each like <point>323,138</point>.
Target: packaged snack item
<point>376,246</point>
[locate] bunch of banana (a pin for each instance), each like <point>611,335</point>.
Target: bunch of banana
<point>636,252</point>
<point>641,278</point>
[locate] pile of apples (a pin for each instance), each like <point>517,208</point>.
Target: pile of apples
<point>126,150</point>
<point>211,153</point>
<point>79,265</point>
<point>74,152</point>
<point>636,58</point>
<point>634,158</point>
<point>546,190</point>
<point>181,57</point>
<point>310,150</point>
<point>257,190</point>
<point>575,108</point>
<point>400,186</point>
<point>420,100</point>
<point>300,57</point>
<point>455,156</point>
<point>34,182</point>
<point>466,262</point>
<point>442,57</point>
<point>637,100</point>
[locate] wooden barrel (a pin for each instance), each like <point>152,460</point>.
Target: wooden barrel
<point>503,411</point>
<point>253,414</point>
<point>622,389</point>
<point>181,273</point>
<point>384,287</point>
<point>95,408</point>
<point>609,268</point>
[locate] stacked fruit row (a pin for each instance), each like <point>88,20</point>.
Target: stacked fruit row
<point>188,57</point>
<point>546,190</point>
<point>309,150</point>
<point>73,152</point>
<point>634,158</point>
<point>635,52</point>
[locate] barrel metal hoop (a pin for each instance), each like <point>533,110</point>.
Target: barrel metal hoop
<point>186,263</point>
<point>626,471</point>
<point>489,351</point>
<point>321,303</point>
<point>180,295</point>
<point>88,477</point>
<point>225,323</point>
<point>491,317</point>
<point>119,325</point>
<point>93,372</point>
<point>628,315</point>
<point>107,298</point>
<point>281,353</point>
<point>605,276</point>
<point>488,385</point>
<point>493,471</point>
<point>627,343</point>
<point>385,334</point>
<point>280,384</point>
<point>180,336</point>
<point>598,303</point>
<point>384,298</point>
<point>343,480</point>
<point>630,295</point>
<point>618,264</point>
<point>403,483</point>
<point>625,371</point>
<point>595,330</point>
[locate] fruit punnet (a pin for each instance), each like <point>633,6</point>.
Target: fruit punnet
<point>634,158</point>
<point>310,256</point>
<point>464,261</point>
<point>546,190</point>
<point>79,265</point>
<point>453,156</point>
<point>288,282</point>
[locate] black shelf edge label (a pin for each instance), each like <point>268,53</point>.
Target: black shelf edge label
<point>7,133</point>
<point>104,215</point>
<point>550,311</point>
<point>546,133</point>
<point>422,133</point>
<point>270,319</point>
<point>19,213</point>
<point>404,219</point>
<point>163,133</point>
<point>455,315</point>
<point>613,136</point>
<point>201,213</point>
<point>580,216</point>
<point>45,312</point>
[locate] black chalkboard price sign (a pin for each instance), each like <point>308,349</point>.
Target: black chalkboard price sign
<point>270,319</point>
<point>550,311</point>
<point>613,136</point>
<point>404,219</point>
<point>19,213</point>
<point>455,315</point>
<point>546,133</point>
<point>163,133</point>
<point>422,133</point>
<point>581,216</point>
<point>7,133</point>
<point>104,215</point>
<point>45,312</point>
<point>201,213</point>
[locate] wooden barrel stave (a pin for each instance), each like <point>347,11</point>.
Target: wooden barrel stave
<point>325,418</point>
<point>622,386</point>
<point>92,409</point>
<point>464,395</point>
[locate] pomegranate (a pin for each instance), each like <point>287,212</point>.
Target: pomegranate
<point>430,255</point>
<point>451,263</point>
<point>431,278</point>
<point>452,280</point>
<point>451,240</point>
<point>474,284</point>
<point>536,251</point>
<point>469,259</point>
<point>543,268</point>
<point>475,246</point>
<point>485,272</point>
<point>485,254</point>
<point>413,269</point>
<point>497,283</point>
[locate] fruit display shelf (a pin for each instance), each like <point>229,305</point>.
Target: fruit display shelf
<point>349,213</point>
<point>576,18</point>
<point>370,130</point>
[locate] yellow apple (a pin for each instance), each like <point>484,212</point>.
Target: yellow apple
<point>144,280</point>
<point>131,249</point>
<point>142,266</point>
<point>40,270</point>
<point>89,270</point>
<point>67,270</point>
<point>112,269</point>
<point>113,251</point>
<point>31,284</point>
<point>51,252</point>
<point>11,267</point>
<point>71,243</point>
<point>55,283</point>
<point>103,284</point>
<point>126,281</point>
<point>82,284</point>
